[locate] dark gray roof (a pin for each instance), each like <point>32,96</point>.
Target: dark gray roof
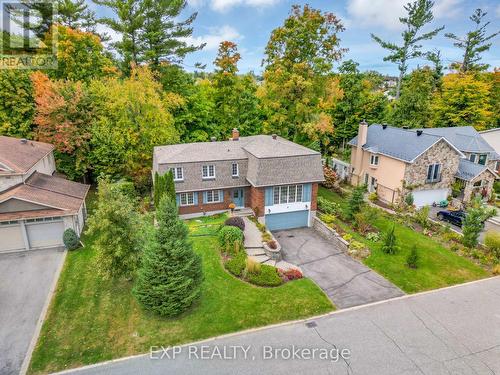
<point>465,138</point>
<point>467,170</point>
<point>261,146</point>
<point>398,143</point>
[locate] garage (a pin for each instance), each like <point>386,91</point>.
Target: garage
<point>45,232</point>
<point>428,197</point>
<point>287,220</point>
<point>11,235</point>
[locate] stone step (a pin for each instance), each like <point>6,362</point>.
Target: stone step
<point>260,258</point>
<point>285,266</point>
<point>270,262</point>
<point>255,251</point>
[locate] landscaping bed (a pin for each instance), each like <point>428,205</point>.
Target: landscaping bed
<point>92,320</point>
<point>438,266</point>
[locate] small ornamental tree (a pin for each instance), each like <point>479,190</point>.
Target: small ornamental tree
<point>115,225</point>
<point>169,279</point>
<point>70,239</point>
<point>390,246</point>
<point>169,184</point>
<point>356,201</point>
<point>413,258</point>
<point>472,224</point>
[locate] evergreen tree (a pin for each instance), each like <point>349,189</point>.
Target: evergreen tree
<point>76,15</point>
<point>474,43</point>
<point>419,13</point>
<point>169,185</point>
<point>390,246</point>
<point>169,279</point>
<point>472,226</point>
<point>413,258</point>
<point>356,201</point>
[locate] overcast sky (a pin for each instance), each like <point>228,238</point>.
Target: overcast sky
<point>250,22</point>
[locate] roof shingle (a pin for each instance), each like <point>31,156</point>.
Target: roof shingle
<point>19,156</point>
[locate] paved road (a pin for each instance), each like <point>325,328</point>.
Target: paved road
<point>25,281</point>
<point>449,331</point>
<point>347,282</point>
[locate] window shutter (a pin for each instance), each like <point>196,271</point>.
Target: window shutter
<point>178,199</point>
<point>195,198</point>
<point>306,193</point>
<point>269,196</point>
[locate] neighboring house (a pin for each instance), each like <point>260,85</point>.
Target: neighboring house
<point>276,178</point>
<point>35,207</point>
<point>426,162</point>
<point>492,137</point>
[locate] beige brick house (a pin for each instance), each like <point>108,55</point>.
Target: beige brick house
<point>395,162</point>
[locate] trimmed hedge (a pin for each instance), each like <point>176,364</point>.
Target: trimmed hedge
<point>236,265</point>
<point>268,276</point>
<point>235,221</point>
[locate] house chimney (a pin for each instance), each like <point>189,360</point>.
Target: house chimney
<point>24,141</point>
<point>358,162</point>
<point>236,134</point>
<point>274,136</point>
<point>419,132</point>
<point>213,139</point>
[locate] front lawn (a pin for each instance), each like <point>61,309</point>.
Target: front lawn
<point>92,320</point>
<point>438,266</point>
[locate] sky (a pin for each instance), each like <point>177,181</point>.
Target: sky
<point>249,23</point>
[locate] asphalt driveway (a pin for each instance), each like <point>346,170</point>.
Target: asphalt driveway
<point>346,281</point>
<point>25,281</point>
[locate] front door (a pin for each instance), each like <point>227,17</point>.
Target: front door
<point>372,187</point>
<point>238,198</point>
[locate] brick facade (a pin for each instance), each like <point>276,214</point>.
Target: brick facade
<point>314,196</point>
<point>255,201</point>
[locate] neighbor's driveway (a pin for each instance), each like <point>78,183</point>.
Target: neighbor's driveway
<point>346,281</point>
<point>25,282</point>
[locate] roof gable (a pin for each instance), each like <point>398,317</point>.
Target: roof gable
<point>20,156</point>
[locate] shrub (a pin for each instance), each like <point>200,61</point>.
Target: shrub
<point>422,216</point>
<point>235,221</point>
<point>328,207</point>
<point>237,264</point>
<point>472,226</point>
<point>268,276</point>
<point>390,246</point>
<point>492,242</point>
<point>347,237</point>
<point>356,201</point>
<point>496,187</point>
<point>413,257</point>
<point>228,235</point>
<point>356,245</point>
<point>363,219</point>
<point>70,239</point>
<point>409,199</point>
<point>327,218</point>
<point>373,196</point>
<point>451,236</point>
<point>373,236</point>
<point>293,274</point>
<point>272,244</point>
<point>331,178</point>
<point>252,266</point>
<point>496,270</point>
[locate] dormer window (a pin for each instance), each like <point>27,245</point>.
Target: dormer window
<point>482,159</point>
<point>373,159</point>
<point>235,170</point>
<point>208,171</point>
<point>178,173</point>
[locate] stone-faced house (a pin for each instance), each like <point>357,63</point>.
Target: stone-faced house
<point>274,177</point>
<point>426,162</point>
<point>35,206</point>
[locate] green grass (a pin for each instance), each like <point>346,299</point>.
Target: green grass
<point>438,266</point>
<point>92,320</point>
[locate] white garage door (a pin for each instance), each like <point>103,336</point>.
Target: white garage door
<point>428,197</point>
<point>45,232</point>
<point>11,237</point>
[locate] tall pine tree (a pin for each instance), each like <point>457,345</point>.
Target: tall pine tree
<point>170,277</point>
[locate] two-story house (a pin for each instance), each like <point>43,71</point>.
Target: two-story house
<point>35,206</point>
<point>274,177</point>
<point>426,162</point>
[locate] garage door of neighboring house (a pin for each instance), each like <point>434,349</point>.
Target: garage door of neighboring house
<point>45,232</point>
<point>428,197</point>
<point>287,220</point>
<point>11,236</point>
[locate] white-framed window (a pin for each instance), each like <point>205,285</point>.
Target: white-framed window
<point>186,199</point>
<point>373,159</point>
<point>214,196</point>
<point>434,173</point>
<point>178,173</point>
<point>287,194</point>
<point>208,171</point>
<point>10,222</point>
<point>483,158</point>
<point>235,172</point>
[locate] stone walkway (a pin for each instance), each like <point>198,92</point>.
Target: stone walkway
<point>255,250</point>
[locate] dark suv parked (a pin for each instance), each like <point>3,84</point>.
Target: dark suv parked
<point>453,217</point>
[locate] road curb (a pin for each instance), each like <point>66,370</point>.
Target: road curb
<point>41,318</point>
<point>291,322</point>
